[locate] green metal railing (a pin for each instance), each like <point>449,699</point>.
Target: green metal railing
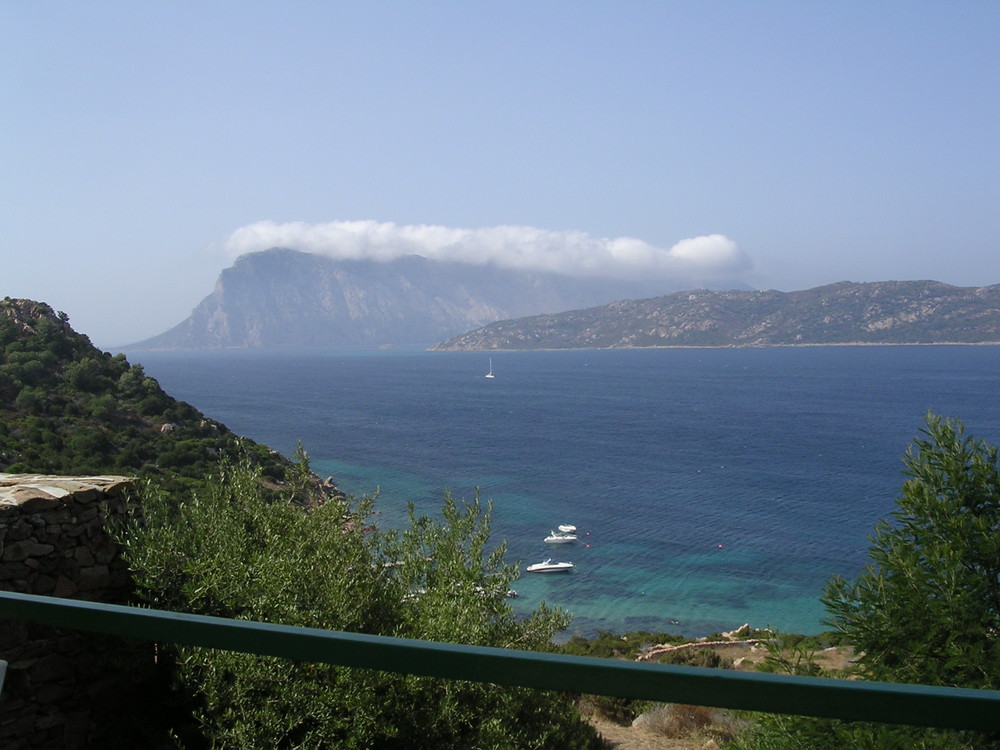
<point>921,705</point>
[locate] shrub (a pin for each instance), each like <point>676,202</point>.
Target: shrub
<point>923,610</point>
<point>230,552</point>
<point>696,657</point>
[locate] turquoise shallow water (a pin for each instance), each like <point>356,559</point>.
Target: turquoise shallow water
<point>710,487</point>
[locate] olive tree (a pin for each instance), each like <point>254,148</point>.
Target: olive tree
<point>232,552</point>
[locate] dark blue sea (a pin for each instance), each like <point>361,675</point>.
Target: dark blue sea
<point>710,487</point>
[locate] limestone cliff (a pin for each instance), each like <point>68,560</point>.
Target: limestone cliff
<point>286,298</point>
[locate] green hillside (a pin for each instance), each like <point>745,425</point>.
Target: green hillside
<point>68,408</point>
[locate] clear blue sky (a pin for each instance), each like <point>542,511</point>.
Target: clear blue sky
<point>827,141</point>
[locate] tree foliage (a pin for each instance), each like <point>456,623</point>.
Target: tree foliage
<point>231,552</point>
<point>68,408</point>
<point>927,609</point>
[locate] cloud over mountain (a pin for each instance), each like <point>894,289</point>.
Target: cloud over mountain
<point>523,248</point>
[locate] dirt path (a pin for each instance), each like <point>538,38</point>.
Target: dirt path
<point>632,738</point>
<point>746,656</point>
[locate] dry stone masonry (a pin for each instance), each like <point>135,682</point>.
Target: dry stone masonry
<point>55,541</point>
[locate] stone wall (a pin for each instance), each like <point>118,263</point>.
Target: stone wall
<point>55,541</point>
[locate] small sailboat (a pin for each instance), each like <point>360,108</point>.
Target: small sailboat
<point>490,373</point>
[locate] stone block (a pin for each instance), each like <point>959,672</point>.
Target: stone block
<point>94,577</point>
<point>42,585</point>
<point>53,535</point>
<point>13,704</point>
<point>16,731</point>
<point>64,587</point>
<point>21,665</point>
<point>105,551</point>
<point>54,692</point>
<point>51,668</point>
<point>14,570</point>
<point>12,634</point>
<point>83,556</point>
<point>71,644</point>
<point>85,494</point>
<point>18,530</point>
<point>76,532</point>
<point>61,516</point>
<point>49,721</point>
<point>34,501</point>
<point>76,731</point>
<point>25,548</point>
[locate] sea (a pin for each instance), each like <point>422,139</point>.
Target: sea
<point>709,487</point>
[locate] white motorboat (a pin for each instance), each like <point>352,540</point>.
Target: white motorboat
<point>566,528</point>
<point>556,537</point>
<point>550,567</point>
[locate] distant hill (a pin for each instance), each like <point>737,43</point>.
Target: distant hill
<point>889,312</point>
<point>286,298</point>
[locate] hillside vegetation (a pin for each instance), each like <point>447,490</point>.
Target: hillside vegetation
<point>68,408</point>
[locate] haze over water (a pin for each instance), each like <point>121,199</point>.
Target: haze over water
<point>710,487</point>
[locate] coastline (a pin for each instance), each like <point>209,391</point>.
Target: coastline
<point>717,346</point>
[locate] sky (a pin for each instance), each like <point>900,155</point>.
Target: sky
<point>784,145</point>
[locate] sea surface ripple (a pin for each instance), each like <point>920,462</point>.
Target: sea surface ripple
<point>710,487</point>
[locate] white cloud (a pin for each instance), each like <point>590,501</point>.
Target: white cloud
<point>526,248</point>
